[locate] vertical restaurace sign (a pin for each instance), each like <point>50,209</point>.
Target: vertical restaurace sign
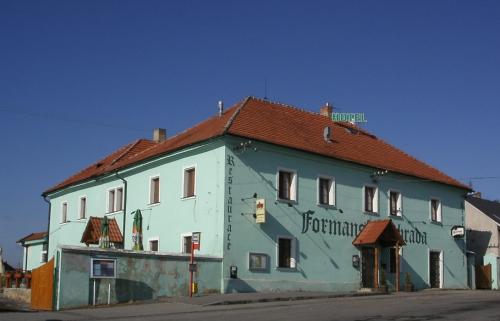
<point>229,200</point>
<point>260,211</point>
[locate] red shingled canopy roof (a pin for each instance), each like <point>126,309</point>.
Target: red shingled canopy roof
<point>278,124</point>
<point>93,231</point>
<point>382,232</point>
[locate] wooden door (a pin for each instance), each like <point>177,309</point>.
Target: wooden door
<point>483,277</point>
<point>42,286</point>
<point>368,267</point>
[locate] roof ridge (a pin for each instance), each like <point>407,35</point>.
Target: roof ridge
<point>342,124</point>
<point>132,145</point>
<point>235,114</point>
<point>267,101</point>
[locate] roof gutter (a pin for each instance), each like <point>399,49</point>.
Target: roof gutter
<point>125,189</point>
<point>48,222</point>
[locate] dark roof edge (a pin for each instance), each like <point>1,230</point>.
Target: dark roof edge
<point>152,158</point>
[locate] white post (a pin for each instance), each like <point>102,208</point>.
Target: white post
<point>109,293</point>
<point>93,300</point>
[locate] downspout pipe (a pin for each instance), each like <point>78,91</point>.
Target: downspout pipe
<point>125,189</point>
<point>48,224</point>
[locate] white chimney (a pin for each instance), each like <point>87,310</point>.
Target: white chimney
<point>221,108</point>
<point>159,135</point>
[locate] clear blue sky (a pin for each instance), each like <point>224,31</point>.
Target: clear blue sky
<point>78,79</point>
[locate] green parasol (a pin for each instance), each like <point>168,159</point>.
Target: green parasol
<point>104,238</point>
<point>137,231</point>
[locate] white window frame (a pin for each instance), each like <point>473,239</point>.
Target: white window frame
<point>332,199</point>
<point>258,269</point>
<point>293,185</point>
<point>375,199</point>
<point>80,207</point>
<point>183,177</point>
<point>42,253</point>
<point>439,216</point>
<point>155,238</point>
<point>441,267</point>
<point>293,252</point>
<point>399,204</point>
<point>183,235</point>
<point>64,215</point>
<point>151,178</point>
<point>115,198</point>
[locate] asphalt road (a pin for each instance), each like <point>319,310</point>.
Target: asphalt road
<point>426,305</point>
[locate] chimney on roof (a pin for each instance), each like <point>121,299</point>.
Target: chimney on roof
<point>159,135</point>
<point>477,194</point>
<point>221,108</point>
<point>326,110</point>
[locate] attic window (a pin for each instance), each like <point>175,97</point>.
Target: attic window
<point>98,165</point>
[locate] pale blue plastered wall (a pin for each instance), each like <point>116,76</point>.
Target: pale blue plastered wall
<point>494,261</point>
<point>169,219</point>
<point>139,276</point>
<point>34,249</point>
<point>324,261</point>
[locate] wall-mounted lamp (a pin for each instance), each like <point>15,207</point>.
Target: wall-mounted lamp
<point>247,198</point>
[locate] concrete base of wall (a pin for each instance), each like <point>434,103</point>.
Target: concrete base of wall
<point>20,295</point>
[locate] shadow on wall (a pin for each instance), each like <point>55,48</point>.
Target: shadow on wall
<point>238,286</point>
<point>416,279</point>
<point>129,290</point>
<point>477,242</point>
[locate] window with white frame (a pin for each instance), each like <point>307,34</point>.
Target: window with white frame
<point>326,190</point>
<point>370,199</point>
<point>115,199</point>
<point>43,254</point>
<point>257,261</point>
<point>154,190</point>
<point>435,210</point>
<point>395,203</point>
<point>83,208</point>
<point>154,244</point>
<point>286,252</point>
<point>64,212</point>
<point>189,182</point>
<point>287,185</point>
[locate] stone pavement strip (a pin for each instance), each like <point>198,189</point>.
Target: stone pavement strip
<point>256,297</point>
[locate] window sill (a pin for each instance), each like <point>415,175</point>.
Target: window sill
<point>154,204</point>
<point>397,217</point>
<point>281,200</point>
<point>327,206</point>
<point>286,269</point>
<point>114,213</point>
<point>440,223</point>
<point>185,198</point>
<point>371,213</point>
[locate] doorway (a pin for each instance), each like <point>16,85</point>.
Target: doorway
<point>435,268</point>
<point>368,267</point>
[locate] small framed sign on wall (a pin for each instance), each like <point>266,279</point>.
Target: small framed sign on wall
<point>102,268</point>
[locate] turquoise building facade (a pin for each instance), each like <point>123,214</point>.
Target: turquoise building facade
<point>216,177</point>
<point>34,250</point>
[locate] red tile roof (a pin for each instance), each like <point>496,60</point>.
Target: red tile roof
<point>92,231</point>
<point>382,232</point>
<point>278,124</point>
<point>33,237</point>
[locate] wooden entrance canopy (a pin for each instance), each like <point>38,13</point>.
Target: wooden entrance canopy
<point>92,231</point>
<point>381,233</point>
